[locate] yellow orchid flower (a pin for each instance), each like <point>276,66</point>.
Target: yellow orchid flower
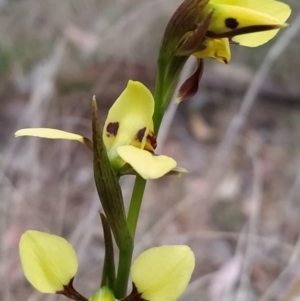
<point>163,273</point>
<point>49,262</point>
<point>127,135</point>
<point>206,28</point>
<point>248,23</point>
<point>158,274</point>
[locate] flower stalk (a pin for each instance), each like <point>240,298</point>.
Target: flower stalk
<point>135,204</point>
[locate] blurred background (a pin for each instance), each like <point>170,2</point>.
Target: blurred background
<point>239,137</point>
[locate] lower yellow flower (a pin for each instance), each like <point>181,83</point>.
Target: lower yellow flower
<point>158,274</point>
<point>163,273</point>
<point>49,262</point>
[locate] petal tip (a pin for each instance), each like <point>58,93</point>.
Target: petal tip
<point>178,99</point>
<point>22,132</point>
<point>17,133</point>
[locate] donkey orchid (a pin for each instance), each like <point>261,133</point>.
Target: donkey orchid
<point>127,135</point>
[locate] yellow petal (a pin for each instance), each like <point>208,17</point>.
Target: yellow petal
<point>248,13</point>
<point>147,165</point>
<point>49,262</point>
<point>103,294</point>
<point>277,9</point>
<point>130,117</point>
<point>243,16</point>
<point>50,134</point>
<point>217,49</point>
<point>162,273</point>
<point>178,171</point>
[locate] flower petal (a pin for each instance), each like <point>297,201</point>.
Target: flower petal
<point>147,165</point>
<point>217,49</point>
<point>277,9</point>
<point>162,273</point>
<point>233,15</point>
<point>49,133</point>
<point>130,117</point>
<point>49,262</point>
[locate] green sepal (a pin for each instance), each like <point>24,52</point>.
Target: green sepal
<point>194,42</point>
<point>185,19</point>
<point>108,187</point>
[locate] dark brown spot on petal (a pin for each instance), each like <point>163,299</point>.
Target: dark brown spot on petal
<point>152,140</point>
<point>231,23</point>
<point>112,129</point>
<point>140,134</point>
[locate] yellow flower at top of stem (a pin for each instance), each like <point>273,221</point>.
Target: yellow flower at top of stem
<point>248,23</point>
<point>206,28</point>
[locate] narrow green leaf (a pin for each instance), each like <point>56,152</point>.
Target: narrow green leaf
<point>108,187</point>
<point>109,272</point>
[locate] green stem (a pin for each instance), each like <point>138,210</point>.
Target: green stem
<point>167,76</point>
<point>159,94</point>
<point>125,257</point>
<point>135,204</point>
<point>163,91</point>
